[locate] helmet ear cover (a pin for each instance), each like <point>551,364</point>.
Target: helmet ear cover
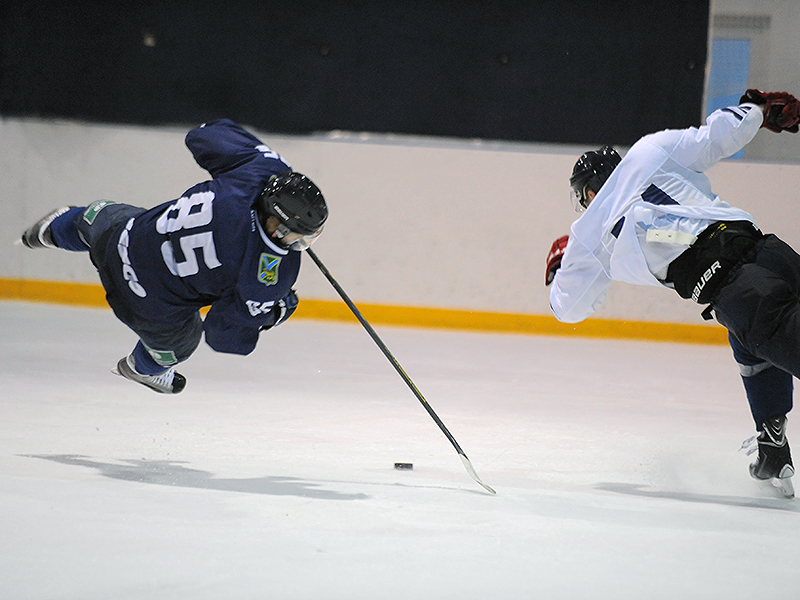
<point>295,201</point>
<point>590,172</point>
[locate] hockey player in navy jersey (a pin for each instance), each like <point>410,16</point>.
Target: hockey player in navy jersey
<point>651,218</point>
<point>232,243</point>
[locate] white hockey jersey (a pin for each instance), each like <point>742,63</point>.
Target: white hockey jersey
<point>649,211</point>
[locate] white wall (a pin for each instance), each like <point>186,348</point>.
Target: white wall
<point>414,221</point>
<point>775,55</point>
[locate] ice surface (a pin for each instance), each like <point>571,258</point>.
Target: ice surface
<point>616,466</point>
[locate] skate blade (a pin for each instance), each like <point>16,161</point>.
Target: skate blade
<point>784,486</point>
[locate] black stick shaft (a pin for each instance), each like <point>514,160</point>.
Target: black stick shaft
<point>385,350</point>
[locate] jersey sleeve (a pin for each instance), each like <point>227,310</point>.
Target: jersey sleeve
<point>580,285</point>
<point>235,320</point>
<point>726,131</point>
<point>221,146</point>
<point>226,331</point>
<point>230,329</point>
<point>232,325</point>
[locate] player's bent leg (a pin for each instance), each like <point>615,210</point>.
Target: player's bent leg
<point>763,362</point>
<point>99,220</point>
<point>161,347</point>
<point>769,389</point>
<point>769,392</point>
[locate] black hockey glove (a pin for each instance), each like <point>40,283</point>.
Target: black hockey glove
<point>781,109</point>
<point>283,310</point>
<point>554,259</point>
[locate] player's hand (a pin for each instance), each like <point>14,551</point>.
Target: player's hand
<point>781,109</point>
<point>554,259</point>
<point>283,310</point>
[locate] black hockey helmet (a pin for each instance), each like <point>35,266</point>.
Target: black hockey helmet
<point>297,203</point>
<point>590,173</point>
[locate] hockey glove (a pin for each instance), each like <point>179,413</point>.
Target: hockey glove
<point>554,259</point>
<point>283,310</point>
<point>781,109</point>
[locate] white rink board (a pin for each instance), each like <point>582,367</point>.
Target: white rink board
<point>419,222</point>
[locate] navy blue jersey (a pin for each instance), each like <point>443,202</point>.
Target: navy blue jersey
<point>207,247</point>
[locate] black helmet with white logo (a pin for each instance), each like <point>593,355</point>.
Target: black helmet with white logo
<point>297,203</point>
<point>591,172</point>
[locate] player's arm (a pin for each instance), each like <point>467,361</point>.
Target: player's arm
<point>221,146</point>
<point>232,325</point>
<point>730,129</point>
<point>579,284</point>
<point>725,132</point>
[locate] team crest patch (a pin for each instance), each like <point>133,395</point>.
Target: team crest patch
<point>268,269</point>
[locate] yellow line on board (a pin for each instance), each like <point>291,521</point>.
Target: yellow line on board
<point>57,292</point>
<point>86,294</point>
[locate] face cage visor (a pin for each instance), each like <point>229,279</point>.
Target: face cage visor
<point>577,198</point>
<point>300,243</point>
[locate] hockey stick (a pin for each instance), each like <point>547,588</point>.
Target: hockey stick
<point>467,464</point>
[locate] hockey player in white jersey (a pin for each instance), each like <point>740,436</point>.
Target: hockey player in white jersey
<point>651,218</point>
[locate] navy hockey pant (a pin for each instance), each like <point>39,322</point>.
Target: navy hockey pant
<point>760,307</point>
<point>162,344</point>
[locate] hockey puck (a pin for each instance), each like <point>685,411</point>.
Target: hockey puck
<point>403,466</point>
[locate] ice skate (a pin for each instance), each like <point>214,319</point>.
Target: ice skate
<point>169,382</point>
<point>774,461</point>
<point>39,235</point>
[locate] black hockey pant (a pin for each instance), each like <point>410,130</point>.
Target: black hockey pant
<point>162,344</point>
<point>760,307</point>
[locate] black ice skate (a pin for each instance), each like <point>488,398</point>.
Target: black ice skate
<point>39,235</point>
<point>169,382</point>
<point>774,460</point>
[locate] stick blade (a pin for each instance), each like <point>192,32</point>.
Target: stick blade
<point>472,473</point>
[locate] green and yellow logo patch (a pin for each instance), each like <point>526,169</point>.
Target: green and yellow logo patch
<point>268,269</point>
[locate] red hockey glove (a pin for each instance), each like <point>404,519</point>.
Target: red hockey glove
<point>781,111</point>
<point>554,258</point>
